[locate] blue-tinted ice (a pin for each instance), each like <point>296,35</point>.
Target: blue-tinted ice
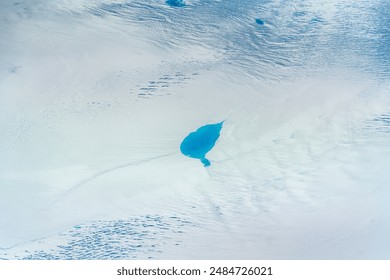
<point>198,143</point>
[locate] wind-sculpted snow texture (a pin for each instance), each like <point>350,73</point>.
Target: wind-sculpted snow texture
<point>97,98</point>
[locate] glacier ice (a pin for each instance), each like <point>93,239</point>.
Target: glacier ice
<point>96,98</point>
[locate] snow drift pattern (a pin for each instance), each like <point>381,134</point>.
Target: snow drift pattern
<point>97,96</point>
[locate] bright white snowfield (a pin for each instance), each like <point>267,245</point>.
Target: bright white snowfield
<point>96,97</point>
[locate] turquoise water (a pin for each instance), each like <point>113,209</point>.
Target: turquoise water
<point>198,143</point>
<point>259,21</point>
<point>175,3</point>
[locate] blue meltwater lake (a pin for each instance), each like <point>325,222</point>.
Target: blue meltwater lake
<point>198,143</point>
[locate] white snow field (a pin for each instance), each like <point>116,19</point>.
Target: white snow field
<point>97,95</point>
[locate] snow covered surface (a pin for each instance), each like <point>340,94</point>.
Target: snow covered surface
<point>96,97</point>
